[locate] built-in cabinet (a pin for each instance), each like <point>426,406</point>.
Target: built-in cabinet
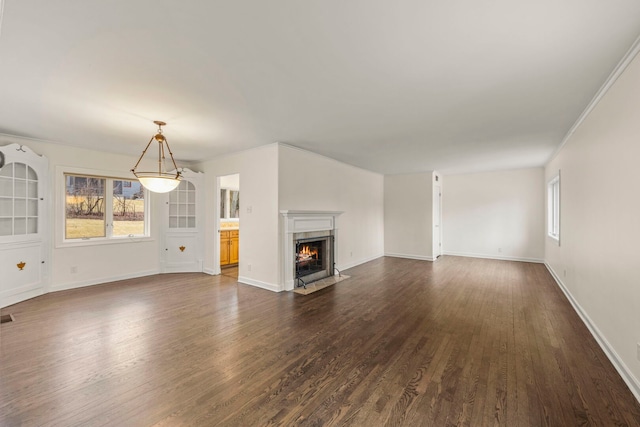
<point>23,224</point>
<point>183,224</point>
<point>229,247</point>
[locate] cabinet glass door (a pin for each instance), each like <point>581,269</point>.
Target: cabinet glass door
<point>18,200</point>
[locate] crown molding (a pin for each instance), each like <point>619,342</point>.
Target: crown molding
<point>1,14</point>
<point>609,82</point>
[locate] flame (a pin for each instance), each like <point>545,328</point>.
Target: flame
<point>307,252</point>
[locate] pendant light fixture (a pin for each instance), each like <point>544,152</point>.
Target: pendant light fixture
<point>159,181</point>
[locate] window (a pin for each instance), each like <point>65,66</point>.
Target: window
<point>553,208</point>
<point>18,200</point>
<point>102,207</point>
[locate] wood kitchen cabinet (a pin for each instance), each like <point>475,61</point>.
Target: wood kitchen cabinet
<point>229,247</point>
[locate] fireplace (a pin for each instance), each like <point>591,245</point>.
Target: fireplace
<point>313,259</point>
<point>301,265</point>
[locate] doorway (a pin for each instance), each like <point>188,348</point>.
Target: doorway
<point>228,218</point>
<point>437,220</point>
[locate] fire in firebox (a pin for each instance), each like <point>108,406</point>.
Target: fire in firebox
<point>314,259</point>
<point>307,252</point>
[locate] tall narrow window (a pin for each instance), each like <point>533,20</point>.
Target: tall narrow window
<point>128,208</point>
<point>553,208</point>
<point>85,207</point>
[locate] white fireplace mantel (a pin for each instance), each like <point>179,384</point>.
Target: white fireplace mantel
<point>304,221</point>
<point>299,221</point>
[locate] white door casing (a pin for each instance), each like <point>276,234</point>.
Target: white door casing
<point>437,219</point>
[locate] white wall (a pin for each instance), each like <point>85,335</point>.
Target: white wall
<point>308,181</point>
<point>259,215</point>
<point>232,182</point>
<point>495,215</point>
<point>597,260</point>
<point>94,263</point>
<point>408,215</point>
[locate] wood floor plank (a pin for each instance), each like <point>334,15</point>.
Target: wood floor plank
<point>459,341</point>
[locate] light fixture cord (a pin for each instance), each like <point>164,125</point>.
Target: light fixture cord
<point>178,173</point>
<point>160,157</point>
<point>143,153</point>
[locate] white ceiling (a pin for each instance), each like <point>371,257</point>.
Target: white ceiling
<point>390,86</point>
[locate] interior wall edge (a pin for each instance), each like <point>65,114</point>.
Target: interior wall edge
<point>627,376</point>
<point>313,153</point>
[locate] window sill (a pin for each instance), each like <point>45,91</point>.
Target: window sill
<point>98,241</point>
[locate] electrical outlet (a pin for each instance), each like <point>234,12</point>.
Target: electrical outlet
<point>499,250</point>
<point>248,267</point>
<point>638,355</point>
<point>350,253</point>
<point>249,209</point>
<point>74,269</point>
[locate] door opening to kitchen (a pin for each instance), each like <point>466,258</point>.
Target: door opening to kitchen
<point>229,224</point>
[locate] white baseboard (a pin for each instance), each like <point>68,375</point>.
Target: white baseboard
<point>410,256</point>
<point>626,374</point>
<point>22,296</point>
<point>356,263</point>
<point>91,282</point>
<point>501,258</point>
<point>181,267</point>
<point>210,271</point>
<point>258,284</point>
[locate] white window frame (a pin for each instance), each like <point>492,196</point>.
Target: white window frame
<point>109,176</point>
<point>553,208</point>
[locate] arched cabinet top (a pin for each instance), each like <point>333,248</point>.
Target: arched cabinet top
<point>13,153</point>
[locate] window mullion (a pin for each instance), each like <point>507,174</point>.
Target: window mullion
<point>147,210</point>
<point>108,208</point>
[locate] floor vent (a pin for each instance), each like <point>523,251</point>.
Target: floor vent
<point>6,318</point>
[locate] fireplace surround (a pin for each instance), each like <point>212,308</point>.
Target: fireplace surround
<point>313,259</point>
<point>308,226</point>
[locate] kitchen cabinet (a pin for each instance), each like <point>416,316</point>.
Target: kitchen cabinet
<point>229,247</point>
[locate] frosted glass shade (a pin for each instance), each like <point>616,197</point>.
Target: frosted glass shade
<point>159,184</point>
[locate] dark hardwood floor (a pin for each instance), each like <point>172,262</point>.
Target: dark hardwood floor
<point>230,271</point>
<point>457,342</point>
